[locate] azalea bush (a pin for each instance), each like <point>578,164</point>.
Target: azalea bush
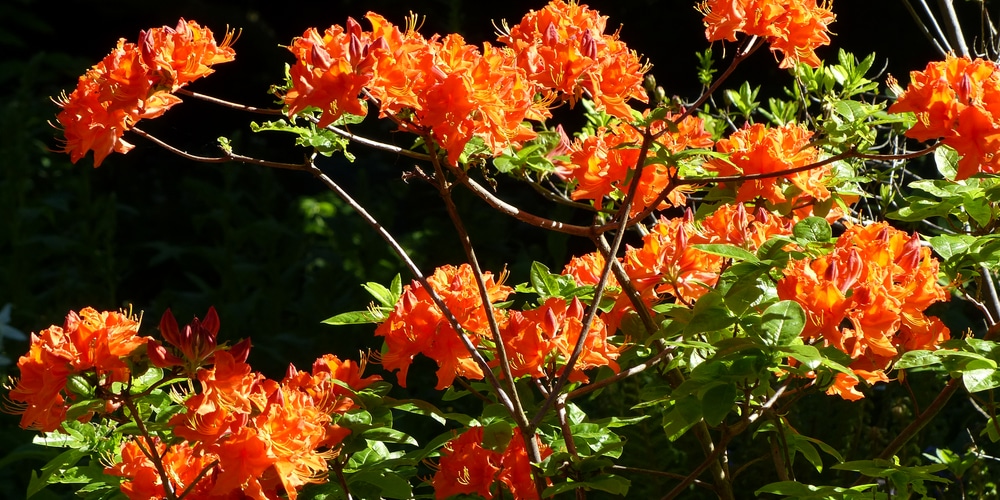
<point>743,260</point>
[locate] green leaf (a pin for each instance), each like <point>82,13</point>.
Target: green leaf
<point>615,485</point>
<point>382,294</point>
<point>388,435</point>
<point>812,229</point>
<point>948,246</point>
<point>981,379</point>
<point>717,403</point>
<point>388,483</point>
<point>797,490</point>
<point>709,314</point>
<point>946,160</point>
<point>685,413</point>
<point>57,465</point>
<point>354,318</point>
<point>728,251</point>
<point>917,359</point>
<point>782,323</point>
<point>979,209</point>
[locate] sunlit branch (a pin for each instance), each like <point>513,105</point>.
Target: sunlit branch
<point>444,189</point>
<point>229,104</point>
<point>526,217</point>
<point>588,319</point>
<point>151,454</point>
<point>923,419</point>
<point>943,51</point>
<point>194,482</point>
<point>228,156</point>
<point>991,290</point>
<point>398,249</point>
<point>635,370</point>
<point>953,26</point>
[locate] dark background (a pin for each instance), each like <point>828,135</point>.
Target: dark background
<point>272,251</point>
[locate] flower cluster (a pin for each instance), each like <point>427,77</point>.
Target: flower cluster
<point>133,82</point>
<point>417,326</point>
<point>466,467</point>
<point>958,101</point>
<point>542,339</point>
<point>454,91</point>
<point>599,164</point>
<point>796,28</point>
<point>564,48</point>
<point>92,347</point>
<point>867,298</point>
<point>244,433</point>
<point>756,149</point>
<point>667,263</point>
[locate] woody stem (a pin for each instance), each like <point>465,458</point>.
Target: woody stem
<point>150,452</point>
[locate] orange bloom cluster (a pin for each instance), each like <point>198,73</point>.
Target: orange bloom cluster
<point>958,101</point>
<point>417,326</point>
<point>455,91</point>
<point>878,280</point>
<point>757,149</point>
<point>796,28</point>
<point>184,463</point>
<point>468,468</point>
<point>563,48</point>
<point>444,86</point>
<point>540,340</point>
<point>600,164</point>
<point>668,264</point>
<point>133,82</point>
<point>266,438</point>
<point>91,344</point>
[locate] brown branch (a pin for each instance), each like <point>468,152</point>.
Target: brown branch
<point>229,104</point>
<point>228,156</point>
<point>922,420</point>
<point>444,190</point>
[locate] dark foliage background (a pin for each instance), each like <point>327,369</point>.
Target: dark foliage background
<point>274,253</point>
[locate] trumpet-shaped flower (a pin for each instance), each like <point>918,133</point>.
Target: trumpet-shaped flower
<point>564,48</point>
<point>756,149</point>
<point>867,298</point>
<point>136,81</point>
<point>958,101</point>
<point>417,326</point>
<point>91,344</point>
<point>466,467</point>
<point>795,28</point>
<point>600,165</point>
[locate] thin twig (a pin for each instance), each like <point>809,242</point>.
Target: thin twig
<point>229,104</point>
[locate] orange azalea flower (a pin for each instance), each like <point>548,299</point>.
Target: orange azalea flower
<point>466,467</point>
<point>600,164</point>
<point>135,82</point>
<point>667,264</point>
<point>958,101</point>
<point>757,149</point>
<point>443,87</point>
<point>877,280</point>
<point>182,463</point>
<point>417,326</point>
<point>540,340</point>
<point>90,342</point>
<point>796,28</point>
<point>270,438</point>
<point>563,47</point>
